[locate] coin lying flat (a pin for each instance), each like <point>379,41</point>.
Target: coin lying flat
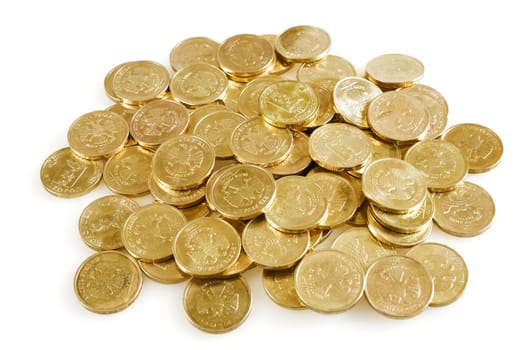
<point>125,111</point>
<point>280,287</point>
<point>127,172</point>
<point>395,238</point>
<point>108,83</point>
<point>177,198</point>
<point>217,305</point>
<point>326,72</point>
<point>380,149</point>
<point>100,224</point>
<point>329,281</point>
<point>194,50</point>
<point>107,282</point>
<point>66,175</point>
<point>303,44</point>
<point>326,111</point>
<point>297,160</point>
<point>249,96</point>
<point>243,263</point>
<point>201,112</point>
<point>398,286</point>
<point>280,66</point>
<point>392,71</point>
<point>163,272</point>
<point>446,267</point>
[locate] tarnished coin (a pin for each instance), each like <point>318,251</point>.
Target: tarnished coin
<point>183,162</point>
<point>249,96</point>
<point>257,142</point>
<point>201,112</point>
<point>303,44</point>
<point>394,185</point>
<point>108,282</point>
<point>398,117</point>
<point>395,238</point>
<point>392,71</point>
<point>127,172</point>
<point>299,205</point>
<point>326,72</point>
<point>241,192</point>
<point>446,267</point>
<point>298,159</point>
<point>329,281</point>
<point>206,246</point>
<point>273,249</point>
<point>466,211</point>
<point>63,174</point>
<point>442,162</point>
<point>198,84</point>
<point>339,146</point>
<point>138,82</point>
<point>100,224</point>
<point>216,128</point>
<point>398,286</point>
<point>352,95</point>
<point>158,121</point>
<point>279,285</point>
<point>326,111</point>
<point>98,134</point>
<point>194,50</point>
<point>164,272</point>
<point>149,231</point>
<point>288,103</point>
<point>177,198</point>
<point>217,305</point>
<point>482,146</point>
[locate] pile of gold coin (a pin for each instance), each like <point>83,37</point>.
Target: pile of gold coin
<point>257,149</point>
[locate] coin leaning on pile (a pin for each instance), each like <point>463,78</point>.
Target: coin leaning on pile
<point>257,149</point>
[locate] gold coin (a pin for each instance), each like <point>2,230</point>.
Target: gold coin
<point>183,162</point>
<point>273,249</point>
<point>352,95</point>
<point>108,83</point>
<point>329,281</point>
<point>206,247</point>
<point>177,198</point>
<point>196,211</point>
<point>158,121</point>
<point>317,236</point>
<point>298,159</point>
<point>436,105</point>
<point>216,128</point>
<point>303,44</point>
<point>108,282</point>
<point>231,97</point>
<point>280,66</point>
<point>398,117</point>
<point>392,71</point>
<point>164,272</point>
<point>359,219</point>
<point>466,211</point>
<point>125,111</point>
<point>100,224</point>
<point>245,56</point>
<point>249,96</point>
<point>243,263</point>
<point>326,72</point>
<point>398,286</point>
<point>358,242</point>
<point>446,267</point>
<point>127,172</point>
<point>217,305</point>
<point>299,205</point>
<point>394,185</point>
<point>279,285</point>
<point>482,146</point>
<point>380,150</point>
<point>241,192</point>
<point>202,111</point>
<point>395,238</point>
<point>326,112</point>
<point>288,103</point>
<point>98,134</point>
<point>194,50</point>
<point>198,84</point>
<point>138,82</point>
<point>411,222</point>
<point>63,174</point>
<point>149,231</point>
<point>339,146</point>
<point>340,197</point>
<point>257,142</point>
<point>442,162</point>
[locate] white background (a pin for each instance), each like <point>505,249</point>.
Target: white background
<point>54,56</point>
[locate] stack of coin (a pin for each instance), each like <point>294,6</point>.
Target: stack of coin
<point>249,164</point>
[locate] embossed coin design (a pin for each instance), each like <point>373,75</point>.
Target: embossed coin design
<point>127,172</point>
<point>326,72</point>
<point>100,224</point>
<point>217,305</point>
<point>249,96</point>
<point>280,287</point>
<point>107,282</point>
<point>392,71</point>
<point>194,50</point>
<point>163,272</point>
<point>303,44</point>
<point>198,84</point>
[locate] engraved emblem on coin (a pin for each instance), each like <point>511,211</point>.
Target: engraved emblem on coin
<point>69,176</point>
<point>399,287</point>
<point>218,301</point>
<point>241,190</point>
<point>160,121</point>
<point>153,232</point>
<point>205,247</point>
<point>248,54</point>
<point>261,143</point>
<point>97,132</point>
<point>183,160</point>
<point>200,84</point>
<point>330,280</point>
<point>395,183</point>
<point>125,171</point>
<point>300,39</point>
<point>106,280</point>
<point>463,207</point>
<point>139,80</point>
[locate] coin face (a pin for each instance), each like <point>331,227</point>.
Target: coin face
<point>466,211</point>
<point>298,159</point>
<point>217,305</point>
<point>352,95</point>
<point>202,111</point>
<point>107,282</point>
<point>249,96</point>
<point>163,272</point>
<point>127,172</point>
<point>98,134</point>
<point>66,175</point>
<point>194,50</point>
<point>198,84</point>
<point>149,231</point>
<point>326,72</point>
<point>303,44</point>
<point>380,149</point>
<point>280,287</point>
<point>100,224</point>
<point>108,83</point>
<point>329,281</point>
<point>125,111</point>
<point>206,247</point>
<point>398,286</point>
<point>392,71</point>
<point>446,267</point>
<point>482,146</point>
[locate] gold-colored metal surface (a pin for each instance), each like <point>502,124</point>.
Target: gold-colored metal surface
<point>127,172</point>
<point>194,50</point>
<point>243,263</point>
<point>279,285</point>
<point>177,198</point>
<point>280,66</point>
<point>326,111</point>
<point>326,72</point>
<point>249,96</point>
<point>303,44</point>
<point>392,71</point>
<point>163,272</point>
<point>297,160</point>
<point>201,112</point>
<point>380,150</point>
<point>125,111</point>
<point>196,211</point>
